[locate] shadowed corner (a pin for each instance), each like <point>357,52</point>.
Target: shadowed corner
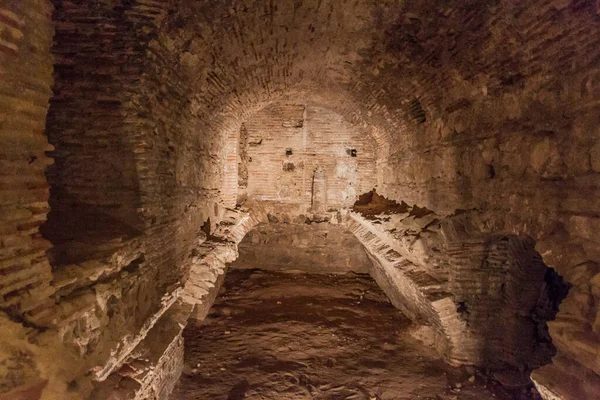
<point>238,392</point>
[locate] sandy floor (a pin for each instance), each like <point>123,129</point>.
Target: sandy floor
<point>289,336</point>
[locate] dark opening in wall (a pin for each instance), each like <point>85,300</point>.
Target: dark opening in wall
<point>112,305</point>
<point>462,310</point>
<point>554,292</point>
<point>556,289</point>
<point>351,152</point>
<point>490,172</point>
<point>206,227</point>
<point>365,198</point>
<point>526,297</point>
<point>288,167</point>
<point>288,152</point>
<point>416,111</point>
<point>133,266</point>
<point>371,204</point>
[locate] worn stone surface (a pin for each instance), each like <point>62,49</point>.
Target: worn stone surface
<point>154,366</point>
<point>314,248</point>
<point>487,297</point>
<point>211,257</point>
<point>25,89</point>
<point>303,336</point>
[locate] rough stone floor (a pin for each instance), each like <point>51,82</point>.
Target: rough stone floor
<point>290,336</point>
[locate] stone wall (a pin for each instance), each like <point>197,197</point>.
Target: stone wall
<point>31,361</point>
<point>124,133</point>
<point>151,368</point>
<point>286,143</point>
<point>26,70</point>
<point>308,247</point>
<point>473,105</point>
<point>487,297</point>
<point>512,132</point>
<point>126,206</point>
<point>118,121</point>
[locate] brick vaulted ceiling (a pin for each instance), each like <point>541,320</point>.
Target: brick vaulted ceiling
<point>476,71</point>
<point>370,59</point>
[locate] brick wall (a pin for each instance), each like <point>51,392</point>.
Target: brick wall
<point>314,248</point>
<point>132,184</point>
<point>487,297</point>
<point>25,80</point>
<point>314,137</point>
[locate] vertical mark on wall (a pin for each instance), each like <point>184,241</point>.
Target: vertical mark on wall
<point>319,191</point>
<point>304,138</point>
<point>243,160</point>
<point>416,112</point>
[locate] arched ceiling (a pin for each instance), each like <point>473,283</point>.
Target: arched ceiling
<point>242,55</point>
<point>369,59</point>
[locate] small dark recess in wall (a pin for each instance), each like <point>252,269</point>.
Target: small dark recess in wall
<point>416,111</point>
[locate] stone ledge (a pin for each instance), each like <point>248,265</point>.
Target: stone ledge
<point>153,367</point>
<point>391,271</point>
<point>213,255</point>
<point>126,346</point>
<point>566,379</point>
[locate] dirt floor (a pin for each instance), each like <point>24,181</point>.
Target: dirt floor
<point>291,336</point>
